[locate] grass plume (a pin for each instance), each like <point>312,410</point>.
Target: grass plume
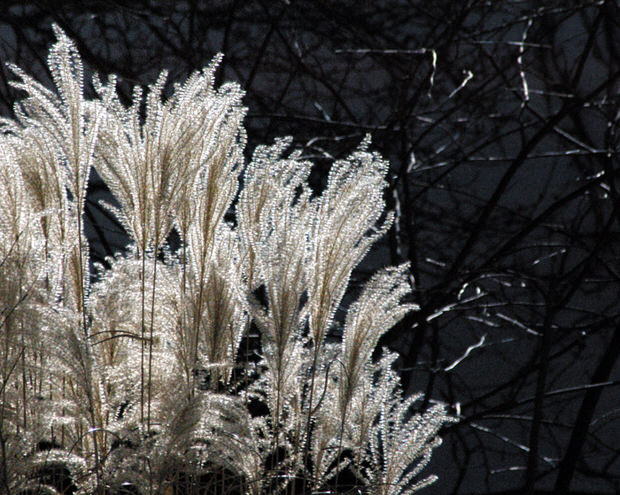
<point>206,369</point>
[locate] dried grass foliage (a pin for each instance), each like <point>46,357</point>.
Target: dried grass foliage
<point>145,378</point>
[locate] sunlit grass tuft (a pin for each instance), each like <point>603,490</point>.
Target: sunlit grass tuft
<point>206,369</point>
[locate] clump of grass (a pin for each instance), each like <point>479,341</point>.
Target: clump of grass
<point>207,369</point>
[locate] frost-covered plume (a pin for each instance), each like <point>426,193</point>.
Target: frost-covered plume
<point>217,367</point>
<point>22,265</point>
<point>346,226</point>
<point>377,309</point>
<point>275,215</point>
<point>150,164</point>
<point>57,133</point>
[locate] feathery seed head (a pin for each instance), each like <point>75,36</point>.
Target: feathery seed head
<point>212,362</point>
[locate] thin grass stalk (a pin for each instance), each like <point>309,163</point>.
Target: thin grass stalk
<point>340,439</point>
<point>142,332</point>
<point>204,277</point>
<point>197,318</point>
<point>308,428</point>
<point>62,428</point>
<point>4,468</point>
<point>24,380</point>
<point>150,368</point>
<point>182,315</point>
<point>82,308</point>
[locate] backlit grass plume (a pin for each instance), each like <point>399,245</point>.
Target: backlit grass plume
<point>216,367</point>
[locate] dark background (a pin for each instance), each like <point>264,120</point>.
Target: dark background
<point>500,120</point>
